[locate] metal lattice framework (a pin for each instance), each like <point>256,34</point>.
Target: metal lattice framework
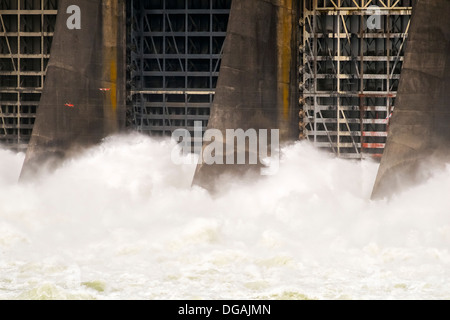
<point>348,73</point>
<point>352,54</point>
<point>174,61</point>
<point>26,32</point>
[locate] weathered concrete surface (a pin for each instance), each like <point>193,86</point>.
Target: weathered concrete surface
<point>74,112</point>
<point>257,85</point>
<point>419,135</point>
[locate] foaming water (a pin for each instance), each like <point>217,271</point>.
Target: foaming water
<point>122,222</point>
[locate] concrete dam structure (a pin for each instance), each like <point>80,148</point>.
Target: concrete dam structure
<point>83,99</point>
<point>419,135</point>
<point>257,87</point>
<point>319,70</point>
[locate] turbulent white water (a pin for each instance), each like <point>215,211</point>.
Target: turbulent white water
<point>122,222</point>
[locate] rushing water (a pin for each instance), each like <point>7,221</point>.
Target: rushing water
<point>122,222</point>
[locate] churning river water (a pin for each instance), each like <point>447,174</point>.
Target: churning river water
<point>121,221</point>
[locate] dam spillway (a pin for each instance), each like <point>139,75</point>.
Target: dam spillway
<point>346,68</point>
<point>121,220</point>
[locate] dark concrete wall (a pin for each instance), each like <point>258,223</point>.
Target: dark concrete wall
<point>82,62</point>
<point>257,86</point>
<point>419,135</point>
